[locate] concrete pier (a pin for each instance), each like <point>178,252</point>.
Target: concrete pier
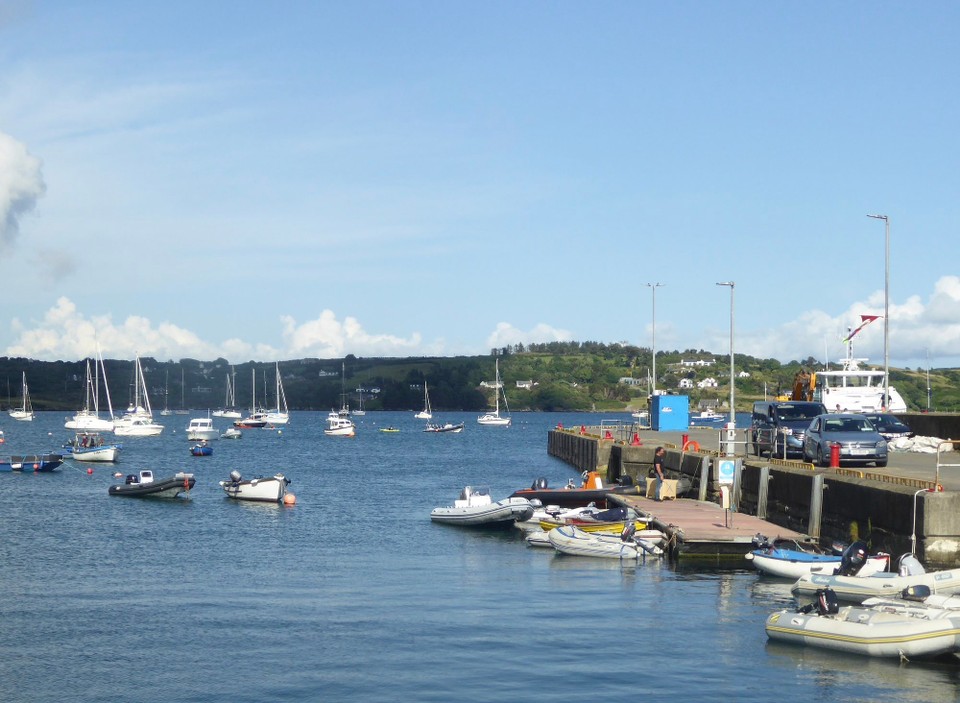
<point>898,509</point>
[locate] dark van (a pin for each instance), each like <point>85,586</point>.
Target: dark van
<point>778,427</point>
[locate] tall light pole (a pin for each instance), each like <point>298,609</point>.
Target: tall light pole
<point>733,418</point>
<point>653,341</point>
<point>886,309</point>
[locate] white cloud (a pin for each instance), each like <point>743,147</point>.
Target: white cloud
<point>21,185</point>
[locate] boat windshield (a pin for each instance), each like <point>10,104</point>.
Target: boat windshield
<point>471,491</point>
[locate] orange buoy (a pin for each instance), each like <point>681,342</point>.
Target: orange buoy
<point>36,466</point>
<point>89,471</point>
<point>691,444</point>
<point>289,499</point>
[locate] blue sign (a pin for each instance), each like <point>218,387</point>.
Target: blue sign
<point>726,468</point>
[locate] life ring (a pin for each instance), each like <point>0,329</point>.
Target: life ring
<point>691,444</point>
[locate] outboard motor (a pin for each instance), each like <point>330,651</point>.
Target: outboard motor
<point>626,480</point>
<point>911,566</point>
<point>133,478</point>
<point>628,532</point>
<point>760,541</point>
<point>235,476</point>
<point>854,557</point>
<point>827,603</point>
<point>539,484</point>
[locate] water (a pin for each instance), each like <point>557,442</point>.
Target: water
<point>354,595</point>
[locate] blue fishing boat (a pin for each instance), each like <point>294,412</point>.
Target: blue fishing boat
<point>31,462</point>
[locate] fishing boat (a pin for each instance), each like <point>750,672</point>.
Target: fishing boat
<point>494,418</point>
<point>231,433</point>
<point>201,449</point>
<point>570,539</point>
<point>280,415</point>
<point>25,412</point>
<point>707,418</point>
<point>36,463</point>
<point>339,425</point>
<point>201,428</point>
<point>854,387</point>
<point>265,489</point>
<point>144,485</point>
<point>446,427</point>
<point>590,490</point>
<point>137,421</point>
<point>88,418</point>
<point>89,446</point>
<point>427,412</point>
<point>904,628</point>
<point>857,588</point>
<point>790,559</point>
<point>229,410</point>
<point>475,508</point>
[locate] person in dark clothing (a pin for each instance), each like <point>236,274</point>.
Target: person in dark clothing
<point>658,455</point>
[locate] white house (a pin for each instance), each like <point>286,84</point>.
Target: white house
<point>707,383</point>
<point>685,383</point>
<point>628,381</point>
<point>743,374</point>
<point>697,362</point>
<point>527,384</point>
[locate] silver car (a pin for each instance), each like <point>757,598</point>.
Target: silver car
<point>859,441</point>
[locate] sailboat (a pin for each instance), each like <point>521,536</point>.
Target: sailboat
<point>89,417</point>
<point>137,421</point>
<point>183,384</point>
<point>279,415</point>
<point>166,395</point>
<point>494,418</point>
<point>257,418</point>
<point>230,402</point>
<point>25,411</point>
<point>427,412</point>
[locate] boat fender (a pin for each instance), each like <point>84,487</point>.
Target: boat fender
<point>691,444</point>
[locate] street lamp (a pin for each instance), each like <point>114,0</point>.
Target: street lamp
<point>733,419</point>
<point>653,342</point>
<point>886,310</point>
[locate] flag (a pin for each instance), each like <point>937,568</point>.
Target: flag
<point>864,321</point>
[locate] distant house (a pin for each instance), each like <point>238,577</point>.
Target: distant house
<point>629,381</point>
<point>697,362</point>
<point>685,383</point>
<point>707,383</point>
<point>528,385</point>
<point>743,374</point>
<point>491,384</point>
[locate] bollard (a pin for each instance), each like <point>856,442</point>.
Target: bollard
<point>684,439</point>
<point>636,440</point>
<point>835,455</point>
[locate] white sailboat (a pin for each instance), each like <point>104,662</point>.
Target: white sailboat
<point>25,412</point>
<point>427,412</point>
<point>257,418</point>
<point>137,421</point>
<point>495,418</point>
<point>339,423</point>
<point>166,396</point>
<point>89,417</point>
<point>230,402</point>
<point>280,415</point>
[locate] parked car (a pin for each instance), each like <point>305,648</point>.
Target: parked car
<point>889,426</point>
<point>859,441</point>
<point>777,427</point>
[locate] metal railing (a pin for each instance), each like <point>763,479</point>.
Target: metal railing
<point>952,443</point>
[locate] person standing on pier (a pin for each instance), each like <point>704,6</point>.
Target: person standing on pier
<point>658,455</point>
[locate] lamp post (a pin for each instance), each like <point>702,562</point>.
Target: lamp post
<point>653,340</point>
<point>886,309</point>
<point>733,419</point>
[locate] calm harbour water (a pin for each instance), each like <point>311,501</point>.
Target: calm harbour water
<point>354,595</point>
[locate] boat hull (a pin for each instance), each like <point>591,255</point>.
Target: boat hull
<point>501,513</point>
<point>792,564</point>
<point>270,489</point>
<point>573,541</point>
<point>36,463</point>
<point>163,488</point>
<point>106,453</point>
<point>867,631</point>
<point>859,588</point>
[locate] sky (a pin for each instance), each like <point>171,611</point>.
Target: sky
<point>272,181</point>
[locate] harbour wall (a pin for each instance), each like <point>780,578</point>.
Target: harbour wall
<point>892,514</point>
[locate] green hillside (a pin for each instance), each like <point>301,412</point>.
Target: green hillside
<point>561,376</point>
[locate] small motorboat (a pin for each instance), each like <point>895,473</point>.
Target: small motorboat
<point>591,490</point>
<point>790,559</point>
<point>446,427</point>
<point>390,429</point>
<point>231,433</point>
<point>903,628</point>
<point>201,449</point>
<point>144,485</point>
<point>89,446</point>
<point>202,429</point>
<point>37,463</point>
<point>339,424</point>
<point>611,521</point>
<point>476,508</point>
<point>266,489</point>
<point>569,539</point>
<point>850,586</point>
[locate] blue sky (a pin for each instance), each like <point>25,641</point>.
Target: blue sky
<point>292,180</point>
